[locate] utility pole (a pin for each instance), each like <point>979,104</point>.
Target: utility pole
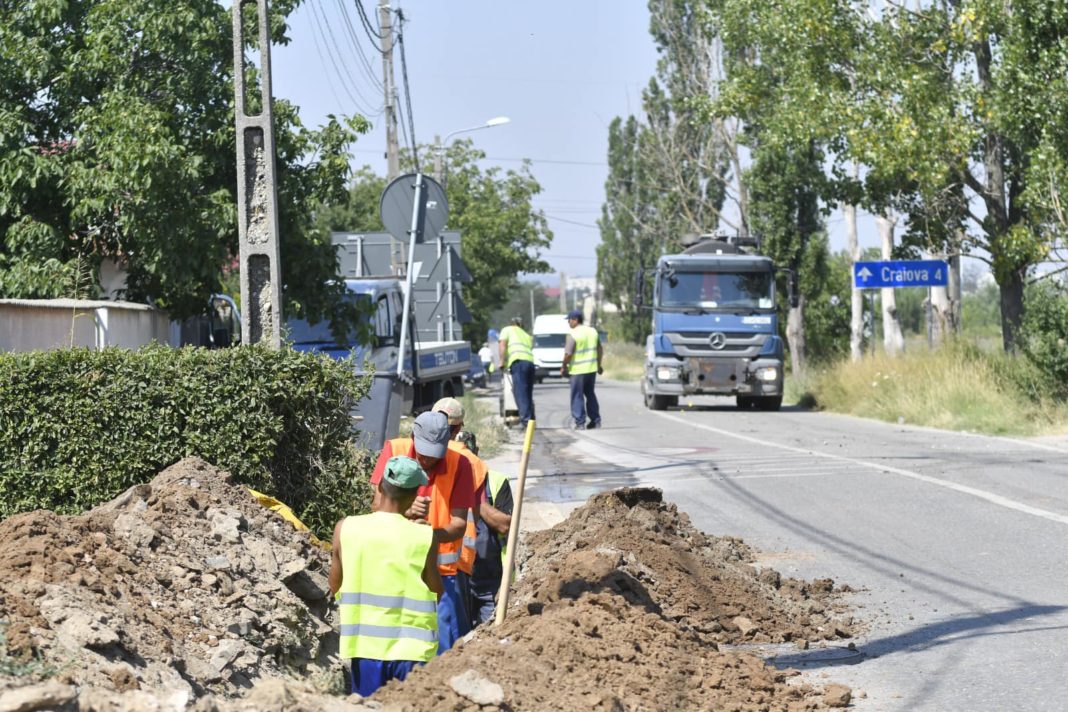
<point>563,292</point>
<point>392,148</point>
<point>257,194</point>
<point>385,25</point>
<point>532,305</point>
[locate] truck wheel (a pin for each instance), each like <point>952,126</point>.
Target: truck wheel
<point>655,402</point>
<point>745,402</point>
<point>769,403</point>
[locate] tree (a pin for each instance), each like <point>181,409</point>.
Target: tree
<point>669,172</point>
<point>626,246</point>
<point>963,112</point>
<point>501,233</point>
<point>117,143</point>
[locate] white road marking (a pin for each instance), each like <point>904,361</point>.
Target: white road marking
<point>964,489</point>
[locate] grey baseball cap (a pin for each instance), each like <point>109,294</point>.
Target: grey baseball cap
<point>431,433</point>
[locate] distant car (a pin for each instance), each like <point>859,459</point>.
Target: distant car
<point>476,375</point>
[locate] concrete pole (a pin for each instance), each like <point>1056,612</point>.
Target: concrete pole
<point>392,147</point>
<point>257,192</point>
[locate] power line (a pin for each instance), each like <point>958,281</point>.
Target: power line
<point>342,76</point>
<point>572,222</point>
<point>407,89</point>
<point>354,40</point>
<point>372,33</point>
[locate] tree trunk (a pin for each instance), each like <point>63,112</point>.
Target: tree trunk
<point>795,336</point>
<point>893,341</point>
<point>856,304</point>
<point>1012,307</point>
<point>939,311</point>
<point>953,321</point>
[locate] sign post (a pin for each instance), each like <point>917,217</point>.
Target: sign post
<point>895,274</point>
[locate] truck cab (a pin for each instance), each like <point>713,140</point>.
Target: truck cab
<point>715,328</point>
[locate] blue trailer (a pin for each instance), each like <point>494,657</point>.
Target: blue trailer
<point>715,327</point>
<point>431,370</point>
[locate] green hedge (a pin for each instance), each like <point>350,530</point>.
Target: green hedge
<point>78,427</point>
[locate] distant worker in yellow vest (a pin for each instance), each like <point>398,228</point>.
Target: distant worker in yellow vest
<point>384,574</point>
<point>583,356</point>
<point>517,355</point>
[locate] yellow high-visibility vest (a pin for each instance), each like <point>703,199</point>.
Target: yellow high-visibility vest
<point>584,360</point>
<point>520,345</point>
<point>387,610</point>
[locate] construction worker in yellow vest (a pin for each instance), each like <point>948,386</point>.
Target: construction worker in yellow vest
<point>583,356</point>
<point>384,575</point>
<point>517,355</point>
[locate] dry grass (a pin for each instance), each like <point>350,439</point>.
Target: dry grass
<point>481,418</point>
<point>955,388</point>
<point>623,361</point>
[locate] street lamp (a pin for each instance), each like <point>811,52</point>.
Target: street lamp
<point>439,147</point>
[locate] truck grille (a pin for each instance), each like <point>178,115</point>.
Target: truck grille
<point>699,343</point>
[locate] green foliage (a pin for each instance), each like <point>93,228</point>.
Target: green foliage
<point>117,142</point>
<point>827,310</point>
<point>518,304</point>
<point>1044,336</point>
<point>82,426</point>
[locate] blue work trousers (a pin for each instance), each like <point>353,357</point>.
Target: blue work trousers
<point>367,675</point>
<point>523,389</point>
<point>453,621</point>
<point>482,606</point>
<point>584,400</point>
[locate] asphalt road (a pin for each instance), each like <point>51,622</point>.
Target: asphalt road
<point>957,544</point>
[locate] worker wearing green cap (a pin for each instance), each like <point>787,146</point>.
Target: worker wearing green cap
<point>384,575</point>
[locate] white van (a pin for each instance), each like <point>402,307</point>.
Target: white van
<point>550,332</point>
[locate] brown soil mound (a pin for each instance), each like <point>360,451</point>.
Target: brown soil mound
<point>623,607</point>
<point>182,587</point>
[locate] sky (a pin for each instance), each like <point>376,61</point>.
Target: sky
<point>560,70</point>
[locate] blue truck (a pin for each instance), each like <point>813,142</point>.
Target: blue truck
<point>715,326</point>
<point>431,369</point>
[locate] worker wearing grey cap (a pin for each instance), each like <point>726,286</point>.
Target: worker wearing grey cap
<point>443,502</point>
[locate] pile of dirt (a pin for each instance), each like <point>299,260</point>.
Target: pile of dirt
<point>184,594</point>
<point>625,606</point>
<point>179,588</point>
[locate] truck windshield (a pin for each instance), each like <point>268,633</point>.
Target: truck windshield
<point>718,290</point>
<point>300,331</point>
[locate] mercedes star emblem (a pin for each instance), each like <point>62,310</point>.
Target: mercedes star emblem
<point>717,340</point>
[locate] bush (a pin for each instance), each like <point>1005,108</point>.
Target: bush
<point>1044,335</point>
<point>79,427</point>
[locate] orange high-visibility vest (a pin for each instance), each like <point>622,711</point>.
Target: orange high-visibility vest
<point>440,513</point>
<point>478,474</point>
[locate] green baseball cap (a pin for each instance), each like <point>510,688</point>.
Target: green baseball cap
<point>404,473</point>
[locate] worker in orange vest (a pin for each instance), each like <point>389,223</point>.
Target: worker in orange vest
<point>444,504</point>
<point>454,411</point>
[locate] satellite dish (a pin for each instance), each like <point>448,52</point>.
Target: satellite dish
<point>398,200</point>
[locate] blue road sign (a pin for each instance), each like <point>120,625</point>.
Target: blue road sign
<point>900,273</point>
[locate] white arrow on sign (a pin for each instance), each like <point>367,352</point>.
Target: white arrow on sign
<point>864,273</point>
